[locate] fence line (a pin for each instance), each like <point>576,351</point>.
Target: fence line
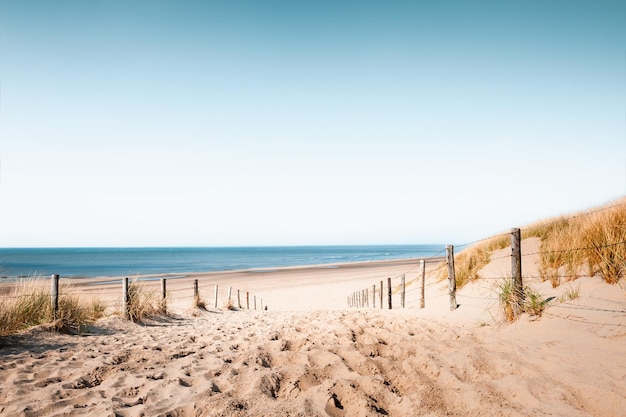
<point>125,294</point>
<point>517,279</point>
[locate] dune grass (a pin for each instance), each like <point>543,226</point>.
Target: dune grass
<point>143,303</point>
<point>586,244</point>
<point>29,304</point>
<point>469,261</point>
<point>589,243</point>
<point>512,306</point>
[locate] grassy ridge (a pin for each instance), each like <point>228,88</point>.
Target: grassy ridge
<point>30,305</point>
<point>590,243</point>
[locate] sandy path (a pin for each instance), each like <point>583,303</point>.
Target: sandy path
<point>337,363</point>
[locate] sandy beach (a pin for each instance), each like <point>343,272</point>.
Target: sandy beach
<point>309,354</point>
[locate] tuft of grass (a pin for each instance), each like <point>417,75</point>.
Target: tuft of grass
<point>142,303</point>
<point>534,302</point>
<point>509,304</point>
<point>29,305</point>
<point>512,306</point>
<point>199,303</point>
<point>571,293</point>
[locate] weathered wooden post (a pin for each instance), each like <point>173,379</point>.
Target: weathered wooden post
<point>238,300</point>
<point>247,300</point>
<point>196,293</point>
<point>516,271</point>
<point>374,296</point>
<point>423,267</point>
<point>163,289</point>
<point>381,295</point>
<point>451,276</point>
<point>125,298</point>
<point>261,301</point>
<point>255,302</point>
<point>367,298</point>
<point>389,291</point>
<point>163,295</point>
<point>54,295</point>
<point>403,293</point>
<point>230,290</point>
<point>216,292</point>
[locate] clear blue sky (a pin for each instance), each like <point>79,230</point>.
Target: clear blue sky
<point>157,123</point>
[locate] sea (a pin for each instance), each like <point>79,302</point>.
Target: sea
<point>99,262</point>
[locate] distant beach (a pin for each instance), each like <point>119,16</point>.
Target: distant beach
<point>107,262</point>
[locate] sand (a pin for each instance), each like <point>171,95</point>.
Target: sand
<point>310,354</point>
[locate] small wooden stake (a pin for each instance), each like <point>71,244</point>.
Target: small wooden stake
<point>423,268</point>
<point>374,296</point>
<point>216,292</point>
<point>255,302</point>
<point>125,298</point>
<point>451,277</point>
<point>403,293</point>
<point>516,270</point>
<point>163,289</point>
<point>54,295</point>
<point>230,290</point>
<point>247,300</point>
<point>196,292</point>
<point>389,291</point>
<point>381,294</point>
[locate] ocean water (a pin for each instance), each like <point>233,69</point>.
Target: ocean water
<point>96,262</point>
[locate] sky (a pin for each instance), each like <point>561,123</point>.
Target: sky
<point>243,123</point>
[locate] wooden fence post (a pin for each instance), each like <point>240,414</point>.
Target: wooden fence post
<point>163,289</point>
<point>163,295</point>
<point>255,302</point>
<point>230,290</point>
<point>403,293</point>
<point>125,298</point>
<point>374,296</point>
<point>196,293</point>
<point>423,267</point>
<point>367,298</point>
<point>238,300</point>
<point>451,277</point>
<point>389,291</point>
<point>54,295</point>
<point>381,295</point>
<point>261,301</point>
<point>248,300</point>
<point>216,292</point>
<point>516,270</point>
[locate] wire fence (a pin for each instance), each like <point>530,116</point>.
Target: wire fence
<point>393,294</point>
<point>115,295</point>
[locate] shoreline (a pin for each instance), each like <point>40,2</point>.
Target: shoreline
<point>264,270</point>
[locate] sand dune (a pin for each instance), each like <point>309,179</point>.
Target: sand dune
<point>306,356</point>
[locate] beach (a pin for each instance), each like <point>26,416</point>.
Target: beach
<point>310,354</point>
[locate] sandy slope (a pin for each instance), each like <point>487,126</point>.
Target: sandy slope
<point>306,359</point>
